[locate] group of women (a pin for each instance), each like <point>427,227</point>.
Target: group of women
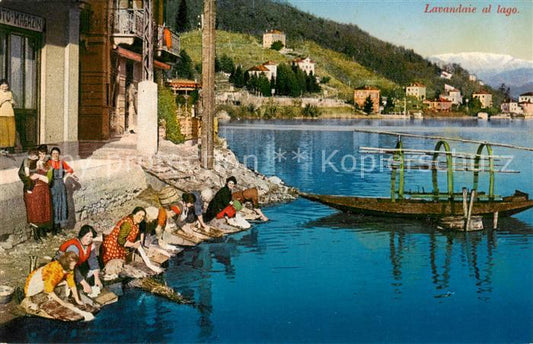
<point>76,262</point>
<point>44,175</point>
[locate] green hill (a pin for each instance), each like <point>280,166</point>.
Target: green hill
<point>379,61</point>
<point>247,51</point>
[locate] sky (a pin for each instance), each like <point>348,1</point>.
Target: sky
<point>410,23</point>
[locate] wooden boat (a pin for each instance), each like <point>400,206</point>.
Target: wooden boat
<point>420,208</point>
<point>435,204</point>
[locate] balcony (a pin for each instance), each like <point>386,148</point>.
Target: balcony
<point>127,25</point>
<point>168,44</point>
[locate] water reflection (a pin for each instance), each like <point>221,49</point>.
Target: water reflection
<point>410,238</point>
<point>194,267</point>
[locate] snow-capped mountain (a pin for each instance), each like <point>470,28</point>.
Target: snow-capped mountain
<point>493,69</point>
<point>483,62</point>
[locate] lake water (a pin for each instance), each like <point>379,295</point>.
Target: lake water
<point>315,275</point>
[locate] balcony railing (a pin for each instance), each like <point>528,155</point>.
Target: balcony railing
<point>167,41</point>
<point>128,23</point>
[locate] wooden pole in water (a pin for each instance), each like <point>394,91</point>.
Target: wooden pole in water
<point>495,221</point>
<point>465,202</point>
<point>470,207</point>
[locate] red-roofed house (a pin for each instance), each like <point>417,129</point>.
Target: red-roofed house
<point>272,36</point>
<point>307,65</point>
<point>261,69</point>
<point>360,95</point>
<point>416,90</point>
<point>484,97</point>
<point>273,67</point>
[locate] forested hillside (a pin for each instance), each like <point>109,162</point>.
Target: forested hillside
<point>397,64</point>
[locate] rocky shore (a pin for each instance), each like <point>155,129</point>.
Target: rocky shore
<point>176,165</point>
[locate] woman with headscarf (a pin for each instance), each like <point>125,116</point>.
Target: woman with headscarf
<point>45,279</point>
<point>221,200</point>
<point>87,264</point>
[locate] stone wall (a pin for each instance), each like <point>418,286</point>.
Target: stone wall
<point>103,184</point>
<point>245,98</point>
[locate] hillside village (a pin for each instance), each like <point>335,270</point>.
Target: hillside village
<point>368,98</point>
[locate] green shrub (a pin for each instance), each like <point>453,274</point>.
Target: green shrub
<point>277,45</point>
<point>310,111</point>
<point>166,113</point>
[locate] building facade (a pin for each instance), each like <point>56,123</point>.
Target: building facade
<point>272,67</point>
<point>307,65</point>
<point>261,69</point>
<point>526,97</point>
<point>416,90</point>
<point>484,97</point>
<point>39,49</point>
<point>361,94</point>
<point>111,63</point>
<point>439,104</point>
<point>511,107</point>
<point>452,94</point>
<point>272,36</point>
<point>69,64</point>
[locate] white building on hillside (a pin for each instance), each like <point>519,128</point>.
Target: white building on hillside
<point>416,90</point>
<point>307,65</point>
<point>272,67</point>
<point>452,94</point>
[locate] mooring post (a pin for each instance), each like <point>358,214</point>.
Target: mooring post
<point>495,221</point>
<point>465,202</point>
<point>470,207</point>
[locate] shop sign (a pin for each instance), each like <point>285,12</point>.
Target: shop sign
<point>21,20</point>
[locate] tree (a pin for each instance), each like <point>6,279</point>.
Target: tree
<point>237,77</point>
<point>182,22</point>
<point>506,91</point>
<point>218,66</point>
<point>277,45</point>
<point>368,107</point>
<point>312,85</point>
<point>226,64</point>
<point>183,68</point>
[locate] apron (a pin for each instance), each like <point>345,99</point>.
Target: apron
<point>59,197</point>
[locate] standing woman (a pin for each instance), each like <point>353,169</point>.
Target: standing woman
<point>38,201</point>
<point>61,171</point>
<point>7,117</point>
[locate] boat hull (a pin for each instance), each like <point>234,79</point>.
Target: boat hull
<point>409,208</point>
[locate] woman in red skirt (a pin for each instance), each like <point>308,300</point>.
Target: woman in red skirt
<point>38,200</point>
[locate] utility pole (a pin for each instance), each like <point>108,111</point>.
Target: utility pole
<point>148,42</point>
<point>147,131</point>
<point>208,84</point>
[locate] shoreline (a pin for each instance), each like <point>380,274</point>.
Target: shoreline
<point>175,165</point>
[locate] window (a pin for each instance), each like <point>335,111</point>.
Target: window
<point>18,64</point>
